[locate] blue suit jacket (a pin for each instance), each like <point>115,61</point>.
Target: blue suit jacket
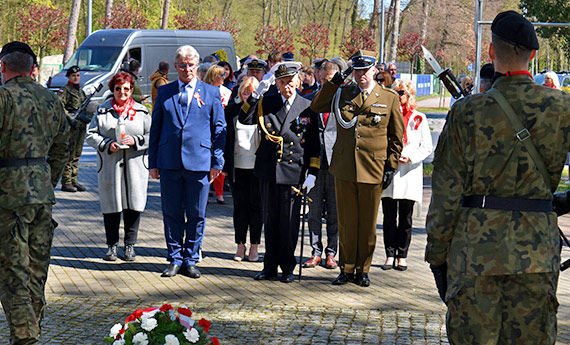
<point>195,143</point>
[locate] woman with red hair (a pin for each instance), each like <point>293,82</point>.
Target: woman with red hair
<point>119,131</point>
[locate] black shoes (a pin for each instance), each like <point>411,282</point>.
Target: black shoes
<point>361,279</point>
<point>111,254</point>
<point>265,275</point>
<point>401,268</point>
<point>287,278</point>
<point>79,187</point>
<point>130,252</point>
<point>191,272</point>
<point>343,278</point>
<point>68,187</point>
<point>170,271</point>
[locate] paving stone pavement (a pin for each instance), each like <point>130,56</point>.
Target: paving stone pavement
<point>87,295</point>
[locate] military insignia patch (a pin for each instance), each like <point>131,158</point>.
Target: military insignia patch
<point>282,69</point>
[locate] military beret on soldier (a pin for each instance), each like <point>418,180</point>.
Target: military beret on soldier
<point>71,70</point>
<point>487,71</point>
<point>286,69</point>
<point>17,46</point>
<point>255,64</point>
<point>513,28</point>
<point>363,59</point>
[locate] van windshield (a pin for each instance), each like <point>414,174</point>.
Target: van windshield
<point>100,59</point>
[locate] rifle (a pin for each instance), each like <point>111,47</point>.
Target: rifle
<point>81,112</point>
<point>447,77</point>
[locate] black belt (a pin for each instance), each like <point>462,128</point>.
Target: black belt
<point>507,204</point>
<point>20,162</point>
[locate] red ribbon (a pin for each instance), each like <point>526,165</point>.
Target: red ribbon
<point>509,74</point>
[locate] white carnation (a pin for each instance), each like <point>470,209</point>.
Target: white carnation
<point>171,340</point>
<point>115,330</point>
<point>140,339</point>
<point>148,323</point>
<point>119,342</point>
<point>192,335</point>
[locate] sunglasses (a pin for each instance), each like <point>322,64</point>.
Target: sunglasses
<point>401,92</point>
<point>125,88</point>
<point>223,75</point>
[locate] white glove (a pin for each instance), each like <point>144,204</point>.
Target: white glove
<point>263,87</point>
<point>309,182</point>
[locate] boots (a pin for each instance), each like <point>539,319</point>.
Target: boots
<point>68,187</point>
<point>79,187</point>
<point>130,252</point>
<point>111,254</point>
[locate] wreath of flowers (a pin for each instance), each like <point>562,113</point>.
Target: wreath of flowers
<point>161,326</point>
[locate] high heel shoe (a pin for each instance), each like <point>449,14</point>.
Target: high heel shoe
<point>253,254</point>
<point>387,265</point>
<point>240,254</point>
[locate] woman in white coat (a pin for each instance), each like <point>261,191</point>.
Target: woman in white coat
<point>119,131</point>
<point>407,186</point>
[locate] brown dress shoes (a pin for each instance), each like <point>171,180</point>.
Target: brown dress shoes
<point>312,262</point>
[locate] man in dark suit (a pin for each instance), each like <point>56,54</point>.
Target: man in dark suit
<point>289,147</point>
<point>365,157</point>
<point>187,138</point>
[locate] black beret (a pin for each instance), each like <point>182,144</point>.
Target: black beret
<point>17,46</point>
<point>513,28</point>
<point>71,70</point>
<point>487,71</point>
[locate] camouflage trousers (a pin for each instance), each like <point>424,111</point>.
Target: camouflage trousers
<point>26,234</point>
<point>76,139</point>
<point>511,309</point>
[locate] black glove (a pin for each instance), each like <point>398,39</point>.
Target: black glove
<point>440,276</point>
<point>340,76</point>
<point>388,176</point>
<point>54,223</point>
<point>561,203</point>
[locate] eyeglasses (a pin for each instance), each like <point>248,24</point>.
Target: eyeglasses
<point>119,88</point>
<point>184,66</point>
<point>401,92</point>
<point>223,75</point>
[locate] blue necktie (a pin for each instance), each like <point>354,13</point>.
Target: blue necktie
<point>184,100</point>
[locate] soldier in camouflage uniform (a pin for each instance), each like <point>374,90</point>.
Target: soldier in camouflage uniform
<point>72,98</point>
<point>33,128</point>
<point>493,242</point>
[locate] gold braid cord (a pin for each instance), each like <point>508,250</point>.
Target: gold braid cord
<point>273,138</point>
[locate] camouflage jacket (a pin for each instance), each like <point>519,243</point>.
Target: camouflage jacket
<point>32,125</point>
<point>72,98</point>
<point>478,154</point>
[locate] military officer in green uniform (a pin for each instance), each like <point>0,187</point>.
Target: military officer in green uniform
<point>33,149</point>
<point>72,98</point>
<point>365,156</point>
<point>493,241</point>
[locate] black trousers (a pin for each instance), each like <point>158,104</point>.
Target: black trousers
<point>281,218</point>
<point>112,223</point>
<point>397,237</point>
<point>247,206</point>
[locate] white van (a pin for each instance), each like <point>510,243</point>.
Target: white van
<point>104,52</point>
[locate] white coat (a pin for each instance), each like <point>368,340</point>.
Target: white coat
<point>122,175</point>
<point>408,180</point>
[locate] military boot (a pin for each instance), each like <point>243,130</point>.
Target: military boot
<point>79,187</point>
<point>130,252</point>
<point>68,187</point>
<point>111,254</point>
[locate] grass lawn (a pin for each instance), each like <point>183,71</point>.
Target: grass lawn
<point>433,110</point>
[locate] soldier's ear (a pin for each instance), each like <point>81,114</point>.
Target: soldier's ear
<point>3,69</point>
<point>492,51</point>
<point>532,54</point>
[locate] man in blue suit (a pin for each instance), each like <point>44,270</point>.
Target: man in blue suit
<point>187,138</point>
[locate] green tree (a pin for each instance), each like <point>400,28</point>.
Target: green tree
<point>43,27</point>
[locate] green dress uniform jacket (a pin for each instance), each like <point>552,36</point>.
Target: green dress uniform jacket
<point>359,154</point>
<point>32,125</point>
<point>479,154</point>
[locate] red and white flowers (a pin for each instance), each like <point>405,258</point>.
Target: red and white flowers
<point>161,326</point>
